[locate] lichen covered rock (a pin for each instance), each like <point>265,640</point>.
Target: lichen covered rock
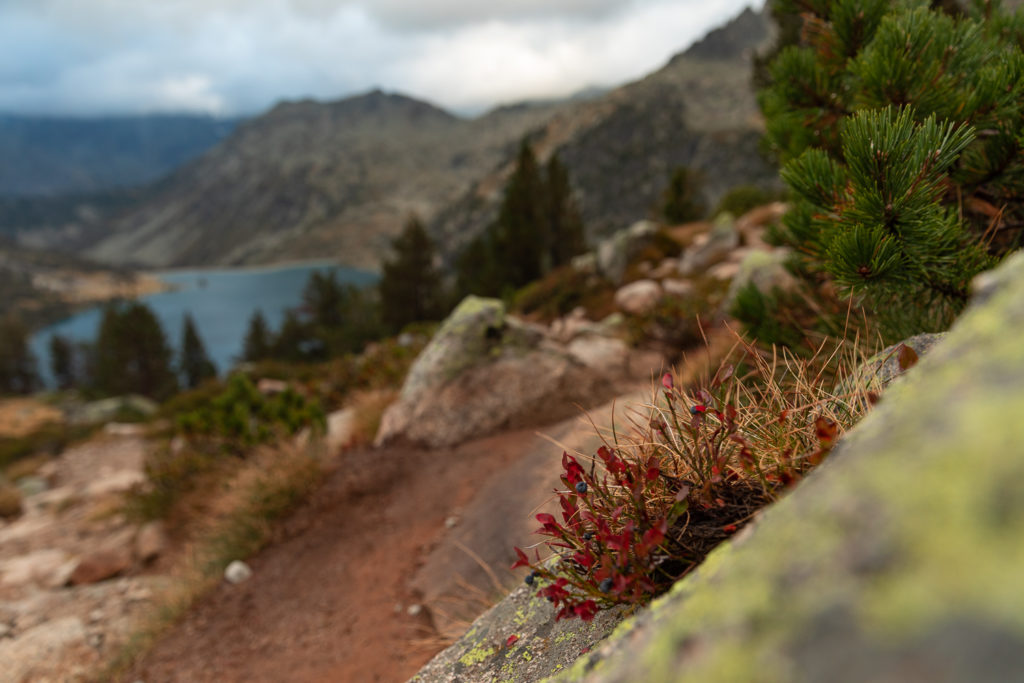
<point>899,559</point>
<point>517,640</point>
<point>483,371</point>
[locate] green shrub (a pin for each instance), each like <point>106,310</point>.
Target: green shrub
<point>739,200</point>
<point>902,133</point>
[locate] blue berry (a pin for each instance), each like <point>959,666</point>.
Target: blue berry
<point>581,487</point>
<point>529,579</point>
<point>606,585</point>
<point>587,536</point>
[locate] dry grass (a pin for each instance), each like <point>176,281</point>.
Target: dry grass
<point>237,524</point>
<point>368,407</point>
<point>10,501</point>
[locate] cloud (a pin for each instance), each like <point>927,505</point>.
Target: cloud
<point>240,56</point>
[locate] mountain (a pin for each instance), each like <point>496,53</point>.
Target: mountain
<point>698,111</point>
<point>309,180</point>
<point>338,179</point>
<point>55,156</point>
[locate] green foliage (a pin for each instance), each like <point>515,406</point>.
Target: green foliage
<point>739,200</point>
<point>241,417</point>
<point>410,284</point>
<point>131,355</point>
<point>257,344</point>
<point>196,365</point>
<point>62,362</point>
<point>563,290</point>
<point>901,127</point>
<point>682,202</point>
<point>17,364</point>
<point>538,229</point>
<point>337,318</point>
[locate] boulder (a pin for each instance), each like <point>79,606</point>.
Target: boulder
<point>108,409</point>
<point>21,656</point>
<point>113,558</point>
<point>639,298</point>
<point>38,567</point>
<point>680,289</point>
<point>615,253</point>
<point>710,248</point>
<point>483,371</point>
<point>765,269</point>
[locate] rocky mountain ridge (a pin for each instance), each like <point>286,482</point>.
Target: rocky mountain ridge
<point>310,179</point>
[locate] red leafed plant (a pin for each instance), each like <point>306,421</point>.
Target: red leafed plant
<point>697,466</point>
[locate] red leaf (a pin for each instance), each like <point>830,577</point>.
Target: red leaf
<point>826,429</point>
<point>666,381</point>
<point>907,357</point>
<point>511,640</point>
<point>729,528</point>
<point>523,560</point>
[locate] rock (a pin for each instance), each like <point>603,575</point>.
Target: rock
<point>108,409</point>
<point>600,353</point>
<point>150,542</point>
<point>898,559</point>
<point>114,558</point>
<point>483,371</point>
<point>269,386</point>
<point>765,269</point>
<point>19,657</point>
<point>667,268</point>
<point>681,289</point>
<point>115,482</point>
<point>38,567</point>
<point>124,429</point>
<point>615,253</point>
<point>711,248</point>
<point>237,572</point>
<point>517,640</point>
<point>639,298</point>
<point>883,367</point>
<point>340,428</point>
<point>32,485</point>
<point>726,270</point>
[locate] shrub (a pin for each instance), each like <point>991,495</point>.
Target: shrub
<point>739,200</point>
<point>562,291</point>
<point>902,132</point>
<point>649,506</point>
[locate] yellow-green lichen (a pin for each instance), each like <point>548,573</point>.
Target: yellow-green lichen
<point>478,654</point>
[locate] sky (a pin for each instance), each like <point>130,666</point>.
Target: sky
<point>239,57</point>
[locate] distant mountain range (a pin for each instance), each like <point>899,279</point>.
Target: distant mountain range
<point>338,179</point>
<point>58,156</point>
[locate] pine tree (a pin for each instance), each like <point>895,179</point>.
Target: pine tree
<point>131,355</point>
<point>62,361</point>
<point>564,225</point>
<point>293,341</point>
<point>410,284</point>
<point>539,228</point>
<point>18,373</point>
<point>519,234</point>
<point>681,201</point>
<point>903,133</point>
<point>196,365</point>
<point>257,344</point>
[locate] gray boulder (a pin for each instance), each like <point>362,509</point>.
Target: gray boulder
<point>712,247</point>
<point>483,371</point>
<point>615,253</point>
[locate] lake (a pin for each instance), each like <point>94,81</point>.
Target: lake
<point>221,302</point>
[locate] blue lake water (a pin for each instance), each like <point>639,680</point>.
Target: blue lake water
<point>221,302</point>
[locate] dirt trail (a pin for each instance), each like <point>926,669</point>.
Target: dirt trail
<point>329,602</point>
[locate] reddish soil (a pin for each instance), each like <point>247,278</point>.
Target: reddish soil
<point>322,604</point>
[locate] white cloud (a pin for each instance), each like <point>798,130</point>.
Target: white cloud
<point>239,56</point>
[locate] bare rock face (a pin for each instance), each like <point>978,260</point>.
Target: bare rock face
<point>484,371</point>
<point>113,558</point>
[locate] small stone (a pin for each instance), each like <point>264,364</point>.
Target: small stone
<point>414,610</point>
<point>101,565</point>
<point>151,542</point>
<point>639,298</point>
<point>451,522</point>
<point>237,572</point>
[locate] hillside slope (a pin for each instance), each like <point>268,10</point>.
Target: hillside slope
<point>309,180</point>
<point>315,180</point>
